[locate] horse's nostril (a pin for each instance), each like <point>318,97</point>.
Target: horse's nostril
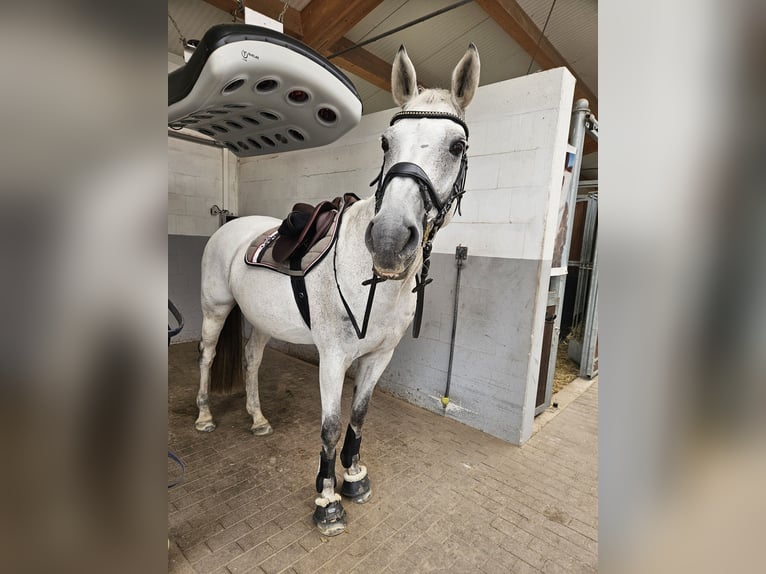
<point>412,242</point>
<point>392,240</point>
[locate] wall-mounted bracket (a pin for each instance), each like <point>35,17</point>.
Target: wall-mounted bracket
<point>221,213</point>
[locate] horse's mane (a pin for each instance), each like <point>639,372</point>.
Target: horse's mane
<point>436,100</point>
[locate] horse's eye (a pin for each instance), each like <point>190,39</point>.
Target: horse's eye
<point>457,148</point>
<point>384,144</point>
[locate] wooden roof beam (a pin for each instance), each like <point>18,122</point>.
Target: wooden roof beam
<point>324,22</point>
<point>362,63</point>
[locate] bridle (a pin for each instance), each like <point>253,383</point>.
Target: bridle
<point>415,172</point>
<point>430,201</point>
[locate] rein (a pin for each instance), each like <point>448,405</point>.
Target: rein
<point>430,201</point>
<point>373,283</point>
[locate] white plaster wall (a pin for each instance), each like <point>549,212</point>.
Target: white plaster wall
<point>199,177</point>
<point>517,145</point>
<point>271,184</point>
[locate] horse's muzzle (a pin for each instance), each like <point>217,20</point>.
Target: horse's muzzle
<point>393,247</point>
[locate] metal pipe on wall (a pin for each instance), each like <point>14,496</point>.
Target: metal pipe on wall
<point>461,254</point>
<point>588,368</point>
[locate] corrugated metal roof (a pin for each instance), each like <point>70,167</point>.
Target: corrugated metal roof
<point>573,30</point>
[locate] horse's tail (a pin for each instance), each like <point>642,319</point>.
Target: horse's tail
<point>226,372</point>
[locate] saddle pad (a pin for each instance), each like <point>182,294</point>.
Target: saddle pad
<point>259,254</point>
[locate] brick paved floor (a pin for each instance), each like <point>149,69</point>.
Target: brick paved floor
<point>446,497</point>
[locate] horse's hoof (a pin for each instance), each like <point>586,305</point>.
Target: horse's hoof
<point>207,426</point>
<point>262,430</point>
<point>359,491</point>
<point>330,519</point>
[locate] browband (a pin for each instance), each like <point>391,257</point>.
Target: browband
<point>432,115</point>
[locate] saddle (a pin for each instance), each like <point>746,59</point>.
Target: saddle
<point>303,228</point>
<point>302,240</point>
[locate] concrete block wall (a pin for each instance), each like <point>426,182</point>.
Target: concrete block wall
<point>184,259</point>
<point>517,147</point>
<point>198,177</point>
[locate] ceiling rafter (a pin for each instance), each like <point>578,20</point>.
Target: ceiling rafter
<point>362,63</point>
<point>325,22</point>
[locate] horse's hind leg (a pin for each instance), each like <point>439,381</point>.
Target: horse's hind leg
<point>254,354</point>
<point>212,323</point>
<point>356,482</point>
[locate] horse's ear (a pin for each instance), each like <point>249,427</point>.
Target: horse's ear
<point>404,84</point>
<point>465,77</point>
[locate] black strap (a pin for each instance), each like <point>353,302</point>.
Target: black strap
<point>373,283</point>
<point>351,446</point>
<point>299,291</point>
<point>326,470</point>
<point>413,171</point>
<point>421,281</point>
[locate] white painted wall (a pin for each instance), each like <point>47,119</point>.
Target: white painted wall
<point>199,177</point>
<point>271,184</point>
<point>517,145</point>
<point>516,157</point>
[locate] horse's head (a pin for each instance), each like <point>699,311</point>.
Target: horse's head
<point>424,164</point>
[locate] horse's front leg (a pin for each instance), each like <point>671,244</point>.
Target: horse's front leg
<point>356,482</point>
<point>329,515</point>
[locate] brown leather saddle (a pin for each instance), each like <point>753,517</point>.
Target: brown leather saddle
<point>302,228</point>
<point>301,241</point>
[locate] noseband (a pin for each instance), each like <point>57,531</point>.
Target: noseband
<point>430,200</point>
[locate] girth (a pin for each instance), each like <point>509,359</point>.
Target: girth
<point>301,296</point>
